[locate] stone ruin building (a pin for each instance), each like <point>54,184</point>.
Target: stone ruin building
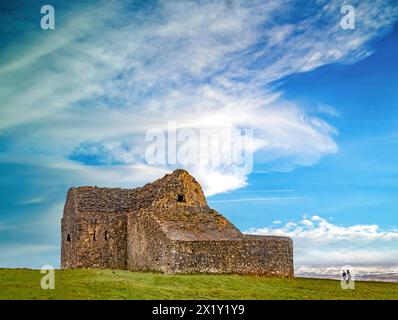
<point>165,226</point>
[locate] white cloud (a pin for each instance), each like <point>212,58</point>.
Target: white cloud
<point>318,241</point>
<point>320,230</point>
<point>187,62</point>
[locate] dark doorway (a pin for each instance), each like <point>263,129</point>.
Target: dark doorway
<point>68,238</point>
<point>180,198</point>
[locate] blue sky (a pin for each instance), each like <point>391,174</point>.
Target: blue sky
<point>77,101</point>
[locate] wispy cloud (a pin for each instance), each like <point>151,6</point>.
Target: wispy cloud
<point>328,110</point>
<point>32,255</point>
<point>207,64</point>
<point>265,191</point>
<point>259,199</point>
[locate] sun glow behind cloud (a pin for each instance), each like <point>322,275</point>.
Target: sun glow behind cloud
<point>201,65</point>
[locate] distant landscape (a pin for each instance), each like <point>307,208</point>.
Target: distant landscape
<point>386,273</point>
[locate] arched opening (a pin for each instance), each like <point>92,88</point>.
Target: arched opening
<point>180,198</point>
<point>94,236</point>
<point>68,238</point>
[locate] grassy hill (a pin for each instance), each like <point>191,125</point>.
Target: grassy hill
<point>115,284</point>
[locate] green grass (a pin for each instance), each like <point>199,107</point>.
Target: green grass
<point>115,284</point>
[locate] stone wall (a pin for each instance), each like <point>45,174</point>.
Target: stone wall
<point>165,226</point>
<point>150,248</point>
<point>266,256</point>
<point>93,240</point>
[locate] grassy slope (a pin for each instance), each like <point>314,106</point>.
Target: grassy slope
<point>108,284</point>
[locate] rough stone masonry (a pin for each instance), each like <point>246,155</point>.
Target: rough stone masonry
<point>165,226</point>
